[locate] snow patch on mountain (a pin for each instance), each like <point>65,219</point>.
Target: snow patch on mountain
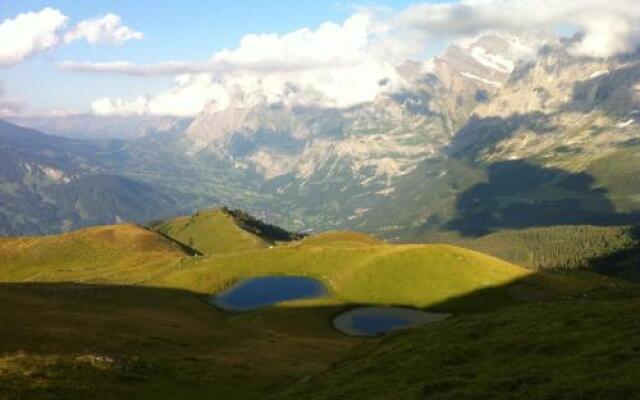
<point>479,79</point>
<point>625,124</point>
<point>599,73</point>
<point>493,61</point>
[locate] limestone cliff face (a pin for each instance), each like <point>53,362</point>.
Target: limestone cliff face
<point>377,141</point>
<point>562,110</point>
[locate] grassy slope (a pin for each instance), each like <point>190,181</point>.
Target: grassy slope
<point>411,275</point>
<point>356,267</point>
<point>113,253</point>
<point>341,239</point>
<point>166,341</point>
<point>211,232</point>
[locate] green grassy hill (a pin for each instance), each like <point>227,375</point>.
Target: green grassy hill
<point>212,232</point>
<point>124,253</point>
<point>135,323</point>
<point>411,275</point>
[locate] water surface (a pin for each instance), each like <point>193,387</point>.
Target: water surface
<point>374,321</point>
<point>250,294</point>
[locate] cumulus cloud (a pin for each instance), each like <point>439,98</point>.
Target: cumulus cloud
<point>340,65</point>
<point>28,34</point>
<point>334,65</point>
<point>105,29</point>
<point>187,96</point>
<point>34,32</point>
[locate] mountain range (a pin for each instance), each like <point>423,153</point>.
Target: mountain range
<point>491,135</point>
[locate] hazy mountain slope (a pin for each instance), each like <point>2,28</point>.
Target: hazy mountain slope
<point>89,126</point>
<point>49,184</point>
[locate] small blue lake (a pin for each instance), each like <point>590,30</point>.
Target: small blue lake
<point>374,321</point>
<point>250,294</point>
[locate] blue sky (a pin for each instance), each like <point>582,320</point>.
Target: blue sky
<point>173,30</point>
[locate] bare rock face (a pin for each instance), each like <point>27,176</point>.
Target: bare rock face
<point>562,110</point>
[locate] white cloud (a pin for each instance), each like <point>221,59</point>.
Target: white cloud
<point>340,65</point>
<point>29,33</point>
<point>106,29</point>
<point>606,35</point>
<point>129,68</point>
<point>35,32</point>
<point>187,96</point>
<point>334,65</point>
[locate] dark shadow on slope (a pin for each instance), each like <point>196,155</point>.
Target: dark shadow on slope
<point>139,341</point>
<point>612,92</point>
<point>623,264</point>
<point>483,134</point>
<point>611,251</point>
<point>267,231</point>
<point>114,342</point>
<point>571,349</point>
<point>518,194</point>
<point>185,248</point>
<point>74,319</point>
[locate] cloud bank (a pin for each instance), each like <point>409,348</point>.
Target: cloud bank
<point>34,32</point>
<point>339,65</point>
<point>188,95</point>
<point>335,65</point>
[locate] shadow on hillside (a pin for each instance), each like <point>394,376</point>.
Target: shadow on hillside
<point>623,264</point>
<point>117,337</point>
<point>185,248</point>
<point>72,319</point>
<point>612,92</point>
<point>522,195</point>
<point>481,134</point>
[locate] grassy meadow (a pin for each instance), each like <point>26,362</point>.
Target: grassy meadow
<point>121,311</point>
